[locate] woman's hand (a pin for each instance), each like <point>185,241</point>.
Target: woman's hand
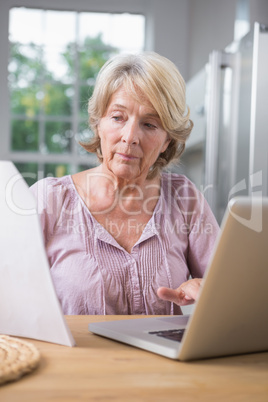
<point>185,294</point>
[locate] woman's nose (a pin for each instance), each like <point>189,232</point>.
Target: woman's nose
<point>130,133</point>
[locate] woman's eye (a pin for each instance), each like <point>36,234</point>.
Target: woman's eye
<point>149,125</point>
<point>117,118</point>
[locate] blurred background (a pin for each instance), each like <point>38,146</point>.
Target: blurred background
<point>51,52</point>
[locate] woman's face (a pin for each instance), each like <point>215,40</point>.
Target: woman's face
<point>132,136</point>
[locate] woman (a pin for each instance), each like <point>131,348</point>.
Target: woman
<point>124,237</point>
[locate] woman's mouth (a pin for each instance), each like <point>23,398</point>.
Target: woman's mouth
<point>127,157</point>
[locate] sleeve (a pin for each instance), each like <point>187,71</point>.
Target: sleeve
<point>203,229</point>
<point>47,202</point>
<point>202,237</point>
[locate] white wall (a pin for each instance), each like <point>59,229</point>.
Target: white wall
<point>212,27</point>
<point>212,23</point>
<point>258,11</point>
<point>171,30</point>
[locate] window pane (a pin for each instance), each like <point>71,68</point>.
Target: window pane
<point>56,169</point>
<point>24,135</point>
<point>123,31</point>
<point>26,101</point>
<point>83,167</point>
<point>59,27</point>
<point>58,137</point>
<point>84,95</point>
<point>93,53</point>
<point>58,99</point>
<point>19,17</point>
<point>84,135</point>
<point>55,57</point>
<point>25,72</point>
<point>132,25</point>
<point>59,62</point>
<point>28,172</point>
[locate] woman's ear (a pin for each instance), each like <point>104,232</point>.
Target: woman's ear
<point>165,145</point>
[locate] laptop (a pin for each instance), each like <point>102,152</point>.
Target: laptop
<point>29,306</point>
<point>231,314</point>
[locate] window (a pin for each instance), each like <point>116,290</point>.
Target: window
<point>54,59</point>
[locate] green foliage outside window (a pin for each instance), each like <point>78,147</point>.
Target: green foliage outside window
<point>29,171</point>
<point>43,104</point>
<point>25,135</point>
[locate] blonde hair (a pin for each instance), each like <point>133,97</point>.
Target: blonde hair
<point>155,77</point>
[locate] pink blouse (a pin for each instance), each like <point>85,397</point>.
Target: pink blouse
<point>93,274</point>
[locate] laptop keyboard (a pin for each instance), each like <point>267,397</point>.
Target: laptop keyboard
<point>172,334</point>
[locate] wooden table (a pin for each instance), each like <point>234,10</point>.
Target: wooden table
<point>99,369</point>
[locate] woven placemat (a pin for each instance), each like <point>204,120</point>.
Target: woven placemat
<point>17,357</point>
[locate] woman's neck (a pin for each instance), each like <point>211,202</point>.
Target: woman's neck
<point>104,192</point>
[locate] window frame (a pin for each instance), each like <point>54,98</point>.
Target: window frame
<point>73,159</point>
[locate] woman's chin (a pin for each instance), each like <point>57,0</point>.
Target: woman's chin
<point>126,172</point>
